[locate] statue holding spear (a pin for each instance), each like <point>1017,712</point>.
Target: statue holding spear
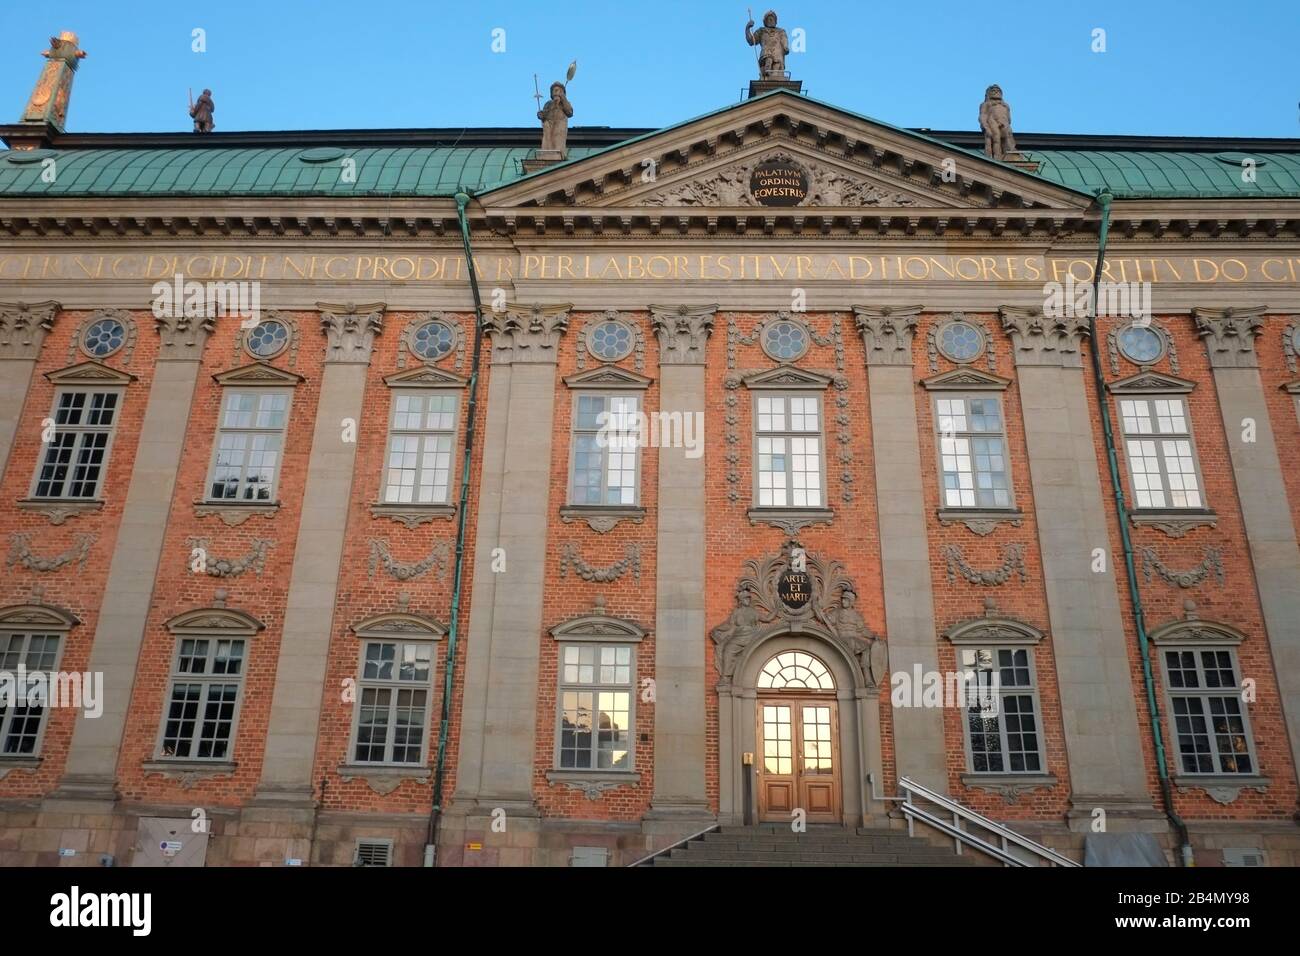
<point>555,115</point>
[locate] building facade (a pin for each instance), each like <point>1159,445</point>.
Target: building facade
<point>783,424</point>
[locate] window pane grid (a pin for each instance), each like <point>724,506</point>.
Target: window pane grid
<point>420,448</point>
<point>20,724</point>
<point>393,703</point>
<point>972,453</point>
<point>1211,728</point>
<point>249,442</point>
<point>595,707</point>
<point>72,465</point>
<point>200,714</point>
<point>1162,469</point>
<point>606,440</point>
<point>1002,722</point>
<point>788,453</point>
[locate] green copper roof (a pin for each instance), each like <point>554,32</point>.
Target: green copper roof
<point>1142,173</point>
<point>260,171</point>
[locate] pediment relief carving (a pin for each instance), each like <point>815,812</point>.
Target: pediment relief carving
<point>1156,382</point>
<point>994,627</point>
<point>34,616</point>
<point>257,373</point>
<point>214,620</point>
<point>787,376</point>
<point>598,626</point>
<point>966,379</point>
<point>426,376</point>
<point>851,161</point>
<point>400,624</point>
<point>610,376</point>
<point>90,372</point>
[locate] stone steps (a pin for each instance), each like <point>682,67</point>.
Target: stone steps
<point>769,845</point>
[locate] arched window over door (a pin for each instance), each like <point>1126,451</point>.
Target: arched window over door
<point>795,670</point>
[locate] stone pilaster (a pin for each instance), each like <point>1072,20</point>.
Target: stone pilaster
<point>680,672</point>
<point>904,553</point>
<point>91,770</point>
<point>1088,638</point>
<point>349,332</point>
<point>499,712</point>
<point>1229,336</point>
<point>23,328</point>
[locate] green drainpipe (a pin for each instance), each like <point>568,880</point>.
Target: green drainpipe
<point>453,628</point>
<point>1104,199</point>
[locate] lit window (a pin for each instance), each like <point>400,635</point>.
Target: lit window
<point>972,453</point>
<point>606,450</point>
<point>1209,719</point>
<point>795,669</point>
<point>787,444</point>
<point>76,454</point>
<point>250,439</point>
<point>204,694</point>
<point>595,707</point>
<point>1001,719</point>
<point>1162,466</point>
<point>420,440</point>
<point>393,704</point>
<point>25,703</point>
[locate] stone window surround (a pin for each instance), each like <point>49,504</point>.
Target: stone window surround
<point>1195,635</point>
<point>606,381</point>
<point>79,505</point>
<point>208,501</point>
<point>789,518</point>
<point>399,625</point>
<point>207,623</point>
<point>999,632</point>
<point>596,628</point>
<point>1152,387</point>
<point>28,619</point>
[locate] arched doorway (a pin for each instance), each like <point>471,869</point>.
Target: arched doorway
<point>798,738</point>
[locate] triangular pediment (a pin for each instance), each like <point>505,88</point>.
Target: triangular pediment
<point>966,379</point>
<point>849,162</point>
<point>1150,382</point>
<point>608,376</point>
<point>426,376</point>
<point>257,373</point>
<point>787,376</point>
<point>90,373</point>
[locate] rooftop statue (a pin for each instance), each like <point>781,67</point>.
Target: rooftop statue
<point>773,45</point>
<point>555,116</point>
<point>202,111</point>
<point>995,121</point>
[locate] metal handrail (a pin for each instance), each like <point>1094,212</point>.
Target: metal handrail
<point>959,813</point>
<point>673,846</point>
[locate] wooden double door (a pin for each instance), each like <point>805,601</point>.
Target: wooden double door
<point>799,758</point>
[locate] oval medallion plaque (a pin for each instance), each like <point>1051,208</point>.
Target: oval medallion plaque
<point>794,588</point>
<point>778,182</point>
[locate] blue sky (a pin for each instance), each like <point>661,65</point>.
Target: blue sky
<point>1191,67</point>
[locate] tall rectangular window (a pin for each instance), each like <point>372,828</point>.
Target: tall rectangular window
<point>204,694</point>
<point>788,457</point>
<point>393,702</point>
<point>22,713</point>
<point>76,455</point>
<point>606,450</point>
<point>250,441</point>
<point>972,453</point>
<point>1001,720</point>
<point>1209,719</point>
<point>596,707</point>
<point>421,435</point>
<point>1161,458</point>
